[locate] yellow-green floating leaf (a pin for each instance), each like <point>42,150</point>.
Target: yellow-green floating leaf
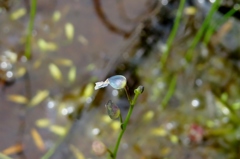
<point>12,56</point>
<point>116,125</point>
<point>69,31</point>
<point>17,99</point>
<point>148,115</point>
<point>165,150</point>
<point>55,72</point>
<point>21,71</point>
<point>82,40</point>
<point>43,123</point>
<point>37,63</point>
<point>58,130</point>
<point>46,46</point>
<point>38,98</point>
<point>72,74</point>
<point>64,62</point>
<point>190,10</point>
<point>236,105</point>
<point>106,119</point>
<point>37,139</point>
<point>76,152</point>
<point>88,91</point>
<point>18,14</point>
<point>159,131</point>
<point>174,139</point>
<point>56,16</point>
<point>91,67</point>
<point>15,149</point>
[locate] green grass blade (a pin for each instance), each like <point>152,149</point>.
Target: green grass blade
<point>200,33</point>
<point>30,28</point>
<point>173,33</point>
<point>220,22</point>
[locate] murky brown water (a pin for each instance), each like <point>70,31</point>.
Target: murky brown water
<point>101,31</point>
<point>60,108</point>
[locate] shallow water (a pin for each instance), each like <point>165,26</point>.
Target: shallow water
<point>110,39</point>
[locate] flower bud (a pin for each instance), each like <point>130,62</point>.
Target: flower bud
<point>118,81</point>
<point>112,110</point>
<point>139,90</point>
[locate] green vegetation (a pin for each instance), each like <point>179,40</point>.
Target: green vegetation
<point>28,42</point>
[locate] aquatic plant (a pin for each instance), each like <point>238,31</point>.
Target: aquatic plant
<point>30,28</point>
<point>200,32</point>
<point>119,82</point>
<point>173,33</point>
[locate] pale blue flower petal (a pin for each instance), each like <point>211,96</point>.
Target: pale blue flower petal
<point>118,81</point>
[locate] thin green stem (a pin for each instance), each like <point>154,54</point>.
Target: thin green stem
<point>199,34</point>
<point>121,120</point>
<point>219,23</point>
<point>53,149</point>
<point>127,93</point>
<point>124,124</point>
<point>30,28</point>
<point>169,92</point>
<point>173,33</point>
<point>110,152</point>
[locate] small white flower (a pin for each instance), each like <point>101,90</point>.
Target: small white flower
<point>117,82</point>
<point>101,84</point>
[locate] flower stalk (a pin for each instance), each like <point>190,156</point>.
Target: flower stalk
<point>119,82</point>
<point>125,123</point>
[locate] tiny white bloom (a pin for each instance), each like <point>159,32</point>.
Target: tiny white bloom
<point>101,84</point>
<point>117,82</point>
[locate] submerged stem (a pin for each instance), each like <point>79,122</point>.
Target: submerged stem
<point>170,92</point>
<point>30,28</point>
<point>128,96</point>
<point>110,152</point>
<point>173,33</point>
<point>200,32</point>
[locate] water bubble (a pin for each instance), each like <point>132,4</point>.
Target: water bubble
<point>9,74</point>
<point>199,82</point>
<point>112,110</point>
<point>117,82</point>
<point>64,111</point>
<point>95,131</point>
<point>88,100</point>
<point>5,65</point>
<point>195,103</point>
<point>170,125</point>
<point>70,109</point>
<point>125,146</point>
<point>164,2</point>
<point>51,104</point>
<point>114,92</point>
